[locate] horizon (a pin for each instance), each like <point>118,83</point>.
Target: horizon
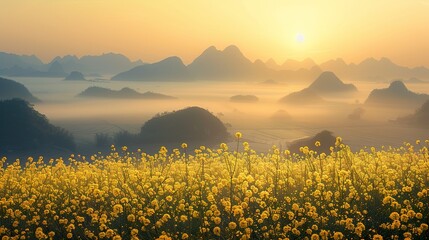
<point>279,30</point>
<point>279,63</point>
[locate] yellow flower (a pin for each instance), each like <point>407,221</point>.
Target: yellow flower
<point>338,235</point>
<point>232,225</point>
<point>238,135</point>
<point>216,231</point>
<point>184,145</point>
<point>377,237</point>
<point>243,223</point>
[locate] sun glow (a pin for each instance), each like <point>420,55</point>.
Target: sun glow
<point>299,37</point>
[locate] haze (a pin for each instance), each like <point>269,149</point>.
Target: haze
<point>153,30</point>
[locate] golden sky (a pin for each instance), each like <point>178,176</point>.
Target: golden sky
<point>281,29</point>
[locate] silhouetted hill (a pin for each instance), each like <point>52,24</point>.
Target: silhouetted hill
<point>107,63</point>
<point>169,69</point>
<point>190,125</point>
<point>10,89</point>
<point>244,98</point>
<point>23,128</point>
<point>397,94</point>
<point>328,84</point>
<point>99,92</point>
<point>325,138</point>
<point>303,97</point>
<point>75,75</point>
<point>420,118</point>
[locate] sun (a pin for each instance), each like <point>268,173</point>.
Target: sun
<point>299,37</point>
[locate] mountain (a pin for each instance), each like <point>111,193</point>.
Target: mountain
<point>23,128</point>
<point>76,76</point>
<point>10,89</point>
<point>244,98</point>
<point>107,63</point>
<point>303,97</point>
<point>420,118</point>
<point>193,124</point>
<point>169,69</point>
<point>329,84</point>
<point>372,69</point>
<point>9,60</point>
<point>396,95</point>
<point>56,69</point>
<point>325,138</point>
<point>326,85</point>
<point>271,63</point>
<point>213,63</point>
<point>125,93</point>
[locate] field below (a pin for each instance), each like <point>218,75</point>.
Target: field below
<point>220,193</point>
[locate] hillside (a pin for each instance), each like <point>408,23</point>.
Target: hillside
<point>303,97</point>
<point>23,128</point>
<point>420,118</point>
<point>10,89</point>
<point>192,125</point>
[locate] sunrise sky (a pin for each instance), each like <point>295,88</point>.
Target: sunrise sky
<point>281,29</point>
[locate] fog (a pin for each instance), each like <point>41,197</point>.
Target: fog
<point>263,124</point>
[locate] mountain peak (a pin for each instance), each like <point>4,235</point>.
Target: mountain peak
<point>328,76</point>
<point>398,86</point>
<point>329,82</point>
<point>172,60</point>
<point>233,50</point>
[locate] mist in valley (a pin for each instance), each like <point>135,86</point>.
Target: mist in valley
<point>263,123</point>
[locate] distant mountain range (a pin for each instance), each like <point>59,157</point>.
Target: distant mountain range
<point>31,66</point>
<point>212,64</point>
<point>372,69</point>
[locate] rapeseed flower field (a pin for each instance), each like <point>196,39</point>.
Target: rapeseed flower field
<point>230,192</point>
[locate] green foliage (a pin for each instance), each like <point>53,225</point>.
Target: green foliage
<point>23,128</point>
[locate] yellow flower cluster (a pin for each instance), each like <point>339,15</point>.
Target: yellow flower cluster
<point>217,193</point>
